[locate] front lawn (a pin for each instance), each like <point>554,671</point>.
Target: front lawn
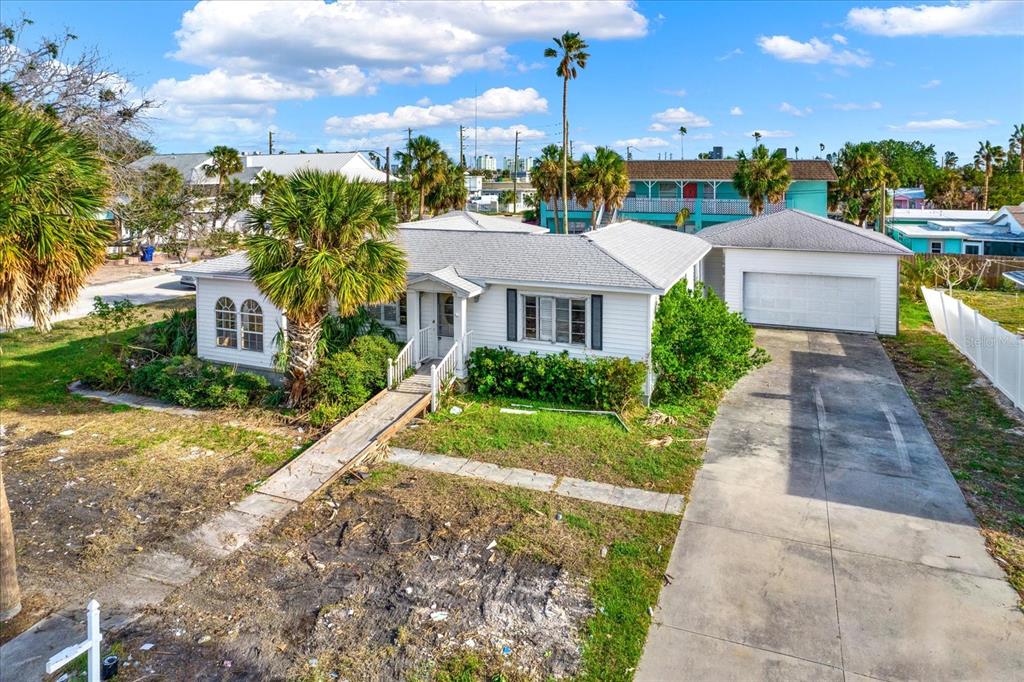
<point>981,443</point>
<point>1004,307</point>
<point>90,484</point>
<point>418,576</point>
<point>661,457</point>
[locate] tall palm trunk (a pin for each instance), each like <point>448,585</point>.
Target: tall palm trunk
<point>10,595</point>
<point>423,201</point>
<point>303,338</point>
<point>565,155</point>
<point>988,174</point>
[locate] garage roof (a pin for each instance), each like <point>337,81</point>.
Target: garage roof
<point>795,230</point>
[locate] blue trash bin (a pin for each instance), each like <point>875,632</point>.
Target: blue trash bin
<point>147,254</point>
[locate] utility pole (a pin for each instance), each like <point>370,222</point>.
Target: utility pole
<point>571,153</point>
<point>629,154</point>
<point>881,210</point>
<point>408,147</point>
<point>387,170</point>
<point>515,172</point>
<point>270,142</point>
<point>462,154</point>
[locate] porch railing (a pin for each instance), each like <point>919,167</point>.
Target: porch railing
<point>673,205</point>
<point>398,367</point>
<point>442,374</point>
<point>423,337</point>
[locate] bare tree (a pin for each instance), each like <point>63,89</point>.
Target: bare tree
<point>81,89</point>
<point>952,272</point>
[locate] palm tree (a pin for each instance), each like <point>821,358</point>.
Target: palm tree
<point>573,55</point>
<point>10,593</point>
<point>426,166</point>
<point>682,134</point>
<point>949,160</point>
<point>603,182</point>
<point>796,152</point>
<point>761,177</point>
<point>682,215</point>
<point>326,240</point>
<point>1017,142</point>
<point>53,187</point>
<point>821,147</point>
<point>757,137</point>
<point>988,157</point>
<point>546,178</point>
<point>450,194</point>
<point>862,175</point>
<point>224,162</point>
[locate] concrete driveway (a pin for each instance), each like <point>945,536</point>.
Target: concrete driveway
<point>139,291</point>
<point>827,540</point>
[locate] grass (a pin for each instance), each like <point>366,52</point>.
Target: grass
<point>585,446</point>
<point>1004,307</point>
<point>981,443</point>
<point>623,583</point>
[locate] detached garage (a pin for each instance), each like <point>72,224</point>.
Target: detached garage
<point>796,269</point>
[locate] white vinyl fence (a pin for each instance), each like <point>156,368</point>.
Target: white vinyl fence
<point>998,353</point>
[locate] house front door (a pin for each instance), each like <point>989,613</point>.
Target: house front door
<point>445,323</point>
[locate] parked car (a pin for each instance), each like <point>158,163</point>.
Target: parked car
<point>188,281</point>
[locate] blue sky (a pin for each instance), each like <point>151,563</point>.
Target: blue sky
<point>346,76</point>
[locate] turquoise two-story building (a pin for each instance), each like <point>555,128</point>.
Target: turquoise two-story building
<point>658,190</point>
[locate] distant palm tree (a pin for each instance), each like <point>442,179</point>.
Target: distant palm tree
<point>862,175</point>
<point>761,177</point>
<point>949,160</point>
<point>546,178</point>
<point>682,216</point>
<point>572,54</point>
<point>796,152</point>
<point>53,186</point>
<point>224,162</point>
<point>450,194</point>
<point>757,137</point>
<point>1017,141</point>
<point>821,147</point>
<point>682,134</point>
<point>426,166</point>
<point>603,183</point>
<point>988,157</point>
<point>327,240</point>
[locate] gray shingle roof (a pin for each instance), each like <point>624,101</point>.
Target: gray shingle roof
<point>472,222</point>
<point>800,231</point>
<point>183,163</point>
<point>625,255</point>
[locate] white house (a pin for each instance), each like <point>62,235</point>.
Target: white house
<point>797,269</point>
<point>592,294</point>
<point>193,166</point>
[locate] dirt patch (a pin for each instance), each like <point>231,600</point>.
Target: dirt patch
<point>379,584</point>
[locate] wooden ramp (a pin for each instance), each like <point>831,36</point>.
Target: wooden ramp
<point>351,441</point>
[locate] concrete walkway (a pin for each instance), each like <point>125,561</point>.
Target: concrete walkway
<point>826,539</point>
<point>156,574</point>
<point>618,496</point>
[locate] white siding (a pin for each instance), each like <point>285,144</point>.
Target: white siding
<point>714,271</point>
<point>208,290</point>
<point>883,269</point>
<point>627,323</point>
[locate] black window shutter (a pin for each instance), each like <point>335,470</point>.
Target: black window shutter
<point>597,322</point>
<point>512,314</point>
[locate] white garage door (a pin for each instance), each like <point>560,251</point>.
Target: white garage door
<point>815,301</point>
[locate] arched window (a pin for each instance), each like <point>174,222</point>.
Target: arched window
<point>227,325</point>
<point>252,326</point>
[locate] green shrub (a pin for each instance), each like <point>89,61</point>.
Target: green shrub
<point>374,352</point>
<point>105,372</point>
<point>173,335</point>
<point>190,382</point>
<point>603,383</point>
<point>338,386</point>
<point>697,341</point>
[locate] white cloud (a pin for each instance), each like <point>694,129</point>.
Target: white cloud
<point>395,41</point>
<point>768,134</point>
<point>680,116</point>
<point>700,136</point>
<point>788,108</point>
<point>813,51</point>
<point>219,87</point>
<point>954,19</point>
<point>641,142</point>
<point>729,55</point>
<point>498,134</point>
<point>857,106</point>
<point>675,93</point>
<point>933,83</point>
<point>839,38</point>
<point>735,111</point>
<point>944,124</point>
<point>657,127</point>
<point>495,103</point>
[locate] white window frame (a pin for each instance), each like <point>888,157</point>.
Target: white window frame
<point>936,242</point>
<point>225,335</point>
<point>390,314</point>
<point>550,302</point>
<point>251,326</point>
<point>976,244</point>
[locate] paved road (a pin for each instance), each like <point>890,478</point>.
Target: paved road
<point>827,540</point>
<point>139,291</point>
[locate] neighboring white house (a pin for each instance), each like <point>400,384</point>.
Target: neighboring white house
<point>797,269</point>
<point>592,294</point>
<point>468,221</point>
<point>193,166</point>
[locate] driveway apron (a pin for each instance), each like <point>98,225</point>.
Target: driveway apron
<point>826,539</point>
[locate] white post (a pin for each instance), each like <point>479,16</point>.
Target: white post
<point>433,388</point>
<point>413,324</point>
<point>90,645</point>
<point>461,310</point>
